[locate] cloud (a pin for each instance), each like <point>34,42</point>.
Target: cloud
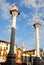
<point>33,3</point>
<point>27,3</point>
<point>41,3</point>
<point>42,32</point>
<point>40,17</point>
<point>7,29</point>
<point>5,8</point>
<point>24,15</point>
<point>30,22</point>
<point>8,26</point>
<point>32,15</point>
<point>38,8</point>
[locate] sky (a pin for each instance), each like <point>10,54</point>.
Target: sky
<point>29,10</point>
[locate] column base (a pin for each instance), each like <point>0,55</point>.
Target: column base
<point>24,64</point>
<point>37,61</point>
<point>10,60</point>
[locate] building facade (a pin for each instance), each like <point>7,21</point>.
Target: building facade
<point>4,50</point>
<point>20,53</point>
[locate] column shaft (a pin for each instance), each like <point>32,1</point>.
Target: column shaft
<point>14,21</point>
<point>12,41</point>
<point>37,43</point>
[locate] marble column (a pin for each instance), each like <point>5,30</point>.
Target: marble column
<point>37,60</point>
<point>36,26</point>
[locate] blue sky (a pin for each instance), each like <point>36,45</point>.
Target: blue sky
<point>24,25</point>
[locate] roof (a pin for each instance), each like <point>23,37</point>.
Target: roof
<point>29,51</point>
<point>4,41</point>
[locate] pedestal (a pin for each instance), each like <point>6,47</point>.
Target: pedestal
<point>10,60</point>
<point>37,61</point>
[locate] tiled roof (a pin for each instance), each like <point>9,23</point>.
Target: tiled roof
<point>4,41</point>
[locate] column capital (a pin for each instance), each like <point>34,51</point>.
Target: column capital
<point>14,10</point>
<point>37,25</point>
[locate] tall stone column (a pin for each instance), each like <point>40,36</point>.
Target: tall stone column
<point>37,60</point>
<point>14,12</point>
<point>36,26</point>
<point>11,56</point>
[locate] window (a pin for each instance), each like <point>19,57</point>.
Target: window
<point>0,48</point>
<point>0,53</point>
<point>4,53</point>
<point>4,48</point>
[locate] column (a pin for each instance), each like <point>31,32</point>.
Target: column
<point>11,56</point>
<point>14,12</point>
<point>36,26</point>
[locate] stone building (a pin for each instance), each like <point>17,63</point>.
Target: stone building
<point>20,53</point>
<point>4,50</point>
